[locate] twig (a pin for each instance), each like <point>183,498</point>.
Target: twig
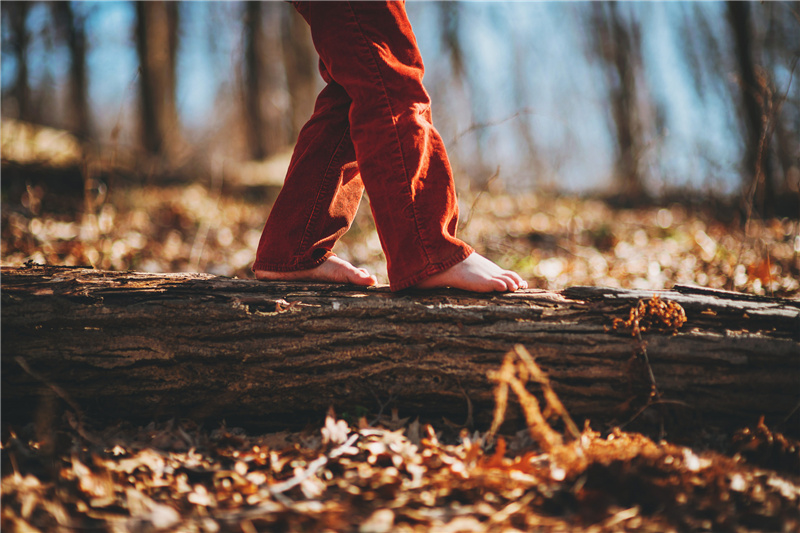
<point>769,124</point>
<point>313,467</point>
<point>381,405</point>
<point>793,411</point>
<point>76,423</point>
<point>514,507</point>
<point>478,197</point>
<point>621,516</point>
<point>470,422</point>
<point>52,386</point>
<point>515,376</point>
<point>643,348</point>
<point>553,400</point>
<point>651,403</point>
<point>654,393</point>
<point>480,126</point>
<point>538,427</point>
<point>500,402</point>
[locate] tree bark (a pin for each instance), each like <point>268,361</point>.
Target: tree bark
<point>145,346</point>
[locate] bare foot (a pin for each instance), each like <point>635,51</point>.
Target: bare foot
<point>475,273</point>
<point>333,270</point>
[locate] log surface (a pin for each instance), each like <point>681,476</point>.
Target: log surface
<point>142,346</point>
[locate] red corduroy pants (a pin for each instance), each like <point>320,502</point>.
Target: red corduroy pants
<point>371,128</point>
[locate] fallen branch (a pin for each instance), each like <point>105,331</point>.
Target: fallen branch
<point>156,346</point>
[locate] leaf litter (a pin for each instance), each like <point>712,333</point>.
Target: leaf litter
<point>400,476</point>
<point>395,474</point>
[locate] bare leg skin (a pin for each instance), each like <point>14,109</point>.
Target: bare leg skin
<point>477,274</point>
<point>333,270</point>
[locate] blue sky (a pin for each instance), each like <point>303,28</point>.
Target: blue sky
<point>525,58</point>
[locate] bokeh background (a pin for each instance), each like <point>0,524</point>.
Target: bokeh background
<point>154,135</point>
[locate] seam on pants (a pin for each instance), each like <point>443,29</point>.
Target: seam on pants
<point>371,53</point>
<point>323,182</point>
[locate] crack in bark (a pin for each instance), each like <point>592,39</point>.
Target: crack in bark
<point>194,344</point>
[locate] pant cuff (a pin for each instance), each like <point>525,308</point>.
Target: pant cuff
<point>265,265</point>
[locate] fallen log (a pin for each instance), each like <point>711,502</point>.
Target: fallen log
<point>138,346</point>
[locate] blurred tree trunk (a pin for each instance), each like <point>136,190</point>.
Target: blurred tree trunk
<point>523,123</point>
<point>253,69</point>
<point>17,13</point>
<point>157,45</point>
<point>266,100</point>
<point>781,44</point>
<point>619,48</point>
<point>758,185</point>
<point>300,61</point>
<point>787,148</point>
<point>72,28</point>
<point>451,20</point>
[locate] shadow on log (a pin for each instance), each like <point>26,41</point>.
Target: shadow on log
<point>137,346</point>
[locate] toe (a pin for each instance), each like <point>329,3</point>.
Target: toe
<point>521,283</point>
<point>366,275</point>
<point>510,282</point>
<point>362,277</point>
<point>498,284</point>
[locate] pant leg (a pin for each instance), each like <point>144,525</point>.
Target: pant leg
<point>321,193</point>
<point>369,49</point>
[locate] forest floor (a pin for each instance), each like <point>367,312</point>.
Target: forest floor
<point>383,473</point>
<point>552,241</point>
